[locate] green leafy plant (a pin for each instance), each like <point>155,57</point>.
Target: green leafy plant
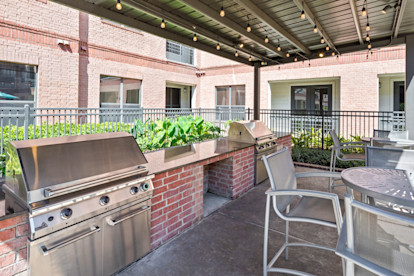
<point>168,132</point>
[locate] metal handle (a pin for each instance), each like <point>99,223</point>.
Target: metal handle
<point>113,222</point>
<point>46,251</point>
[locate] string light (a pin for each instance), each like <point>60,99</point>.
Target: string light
<point>162,24</point>
<point>364,11</point>
<point>295,59</point>
<point>279,48</point>
<point>248,28</point>
<point>278,68</point>
<point>287,54</point>
<point>266,39</point>
<point>327,48</point>
<point>321,55</point>
<point>322,40</point>
<point>337,57</point>
<point>315,29</point>
<point>218,47</point>
<point>385,9</point>
<point>369,46</point>
<point>302,14</point>
<point>333,53</point>
<point>222,12</point>
<point>195,37</point>
<point>263,63</point>
<point>367,38</point>
<point>250,58</point>
<point>367,28</point>
<point>241,45</point>
<point>118,5</point>
<point>236,54</point>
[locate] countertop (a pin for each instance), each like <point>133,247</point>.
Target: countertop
<point>171,158</point>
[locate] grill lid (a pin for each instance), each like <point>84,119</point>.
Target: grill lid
<point>33,165</point>
<point>249,131</point>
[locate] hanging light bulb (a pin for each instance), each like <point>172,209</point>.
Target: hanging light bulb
<point>248,28</point>
<point>263,63</point>
<point>287,54</point>
<point>195,37</point>
<point>302,15</point>
<point>236,54</point>
<point>222,12</point>
<point>364,11</point>
<point>333,53</point>
<point>218,47</point>
<point>369,46</point>
<point>367,38</point>
<point>118,5</point>
<point>278,68</point>
<point>386,9</point>
<point>241,45</point>
<point>279,48</point>
<point>266,39</point>
<point>315,29</point>
<point>327,48</point>
<point>250,58</point>
<point>321,55</point>
<point>295,59</point>
<point>322,40</point>
<point>309,64</point>
<point>367,28</point>
<point>162,24</point>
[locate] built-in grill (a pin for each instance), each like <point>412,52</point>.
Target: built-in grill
<point>88,199</point>
<point>255,132</point>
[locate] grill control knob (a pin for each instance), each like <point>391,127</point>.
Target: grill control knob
<point>104,200</point>
<point>145,186</point>
<point>134,190</point>
<point>66,213</point>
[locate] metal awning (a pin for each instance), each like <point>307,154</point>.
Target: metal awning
<point>339,22</point>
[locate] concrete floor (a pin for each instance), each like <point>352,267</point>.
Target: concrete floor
<point>230,242</point>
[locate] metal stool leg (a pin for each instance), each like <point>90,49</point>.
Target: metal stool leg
<point>266,237</point>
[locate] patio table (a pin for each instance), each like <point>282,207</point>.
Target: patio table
<point>389,185</point>
<point>395,142</point>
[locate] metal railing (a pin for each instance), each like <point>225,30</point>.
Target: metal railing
<point>311,128</point>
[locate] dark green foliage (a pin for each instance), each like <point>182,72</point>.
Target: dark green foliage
<point>320,157</point>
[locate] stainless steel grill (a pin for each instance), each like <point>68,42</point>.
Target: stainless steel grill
<point>88,199</point>
<point>255,132</point>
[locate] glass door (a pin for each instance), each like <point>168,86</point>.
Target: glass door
<point>173,97</point>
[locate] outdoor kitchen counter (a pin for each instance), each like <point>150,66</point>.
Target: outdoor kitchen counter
<point>171,158</point>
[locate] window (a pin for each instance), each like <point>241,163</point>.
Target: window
<point>180,53</point>
<point>311,98</point>
<point>17,82</point>
<point>117,92</point>
<point>232,100</point>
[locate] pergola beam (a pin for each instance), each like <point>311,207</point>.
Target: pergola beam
<point>153,10</point>
<point>314,21</point>
<point>356,20</point>
<point>399,13</point>
<point>214,15</point>
<point>128,21</point>
<point>262,16</point>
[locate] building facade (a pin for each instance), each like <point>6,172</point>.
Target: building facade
<point>54,56</point>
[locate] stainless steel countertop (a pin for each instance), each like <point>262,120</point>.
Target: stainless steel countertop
<point>171,158</point>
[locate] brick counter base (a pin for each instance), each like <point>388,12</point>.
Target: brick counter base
<point>285,141</point>
<point>178,194</point>
<point>13,245</point>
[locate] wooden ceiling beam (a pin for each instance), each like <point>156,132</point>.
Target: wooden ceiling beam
<point>225,21</point>
<point>269,21</point>
<point>355,16</point>
<point>134,23</point>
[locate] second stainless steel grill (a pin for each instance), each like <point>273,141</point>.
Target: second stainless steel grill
<point>255,132</point>
<point>88,198</point>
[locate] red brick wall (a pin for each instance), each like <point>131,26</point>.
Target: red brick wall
<point>285,141</point>
<point>178,195</point>
<point>13,245</point>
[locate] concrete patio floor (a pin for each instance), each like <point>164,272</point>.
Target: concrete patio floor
<point>230,241</point>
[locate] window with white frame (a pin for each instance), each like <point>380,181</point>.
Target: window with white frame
<point>231,101</point>
<point>17,83</point>
<point>180,53</point>
<point>117,92</point>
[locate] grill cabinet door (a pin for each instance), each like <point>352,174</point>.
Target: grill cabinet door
<point>126,236</point>
<point>72,251</point>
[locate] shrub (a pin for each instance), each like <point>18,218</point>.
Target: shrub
<point>320,157</point>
